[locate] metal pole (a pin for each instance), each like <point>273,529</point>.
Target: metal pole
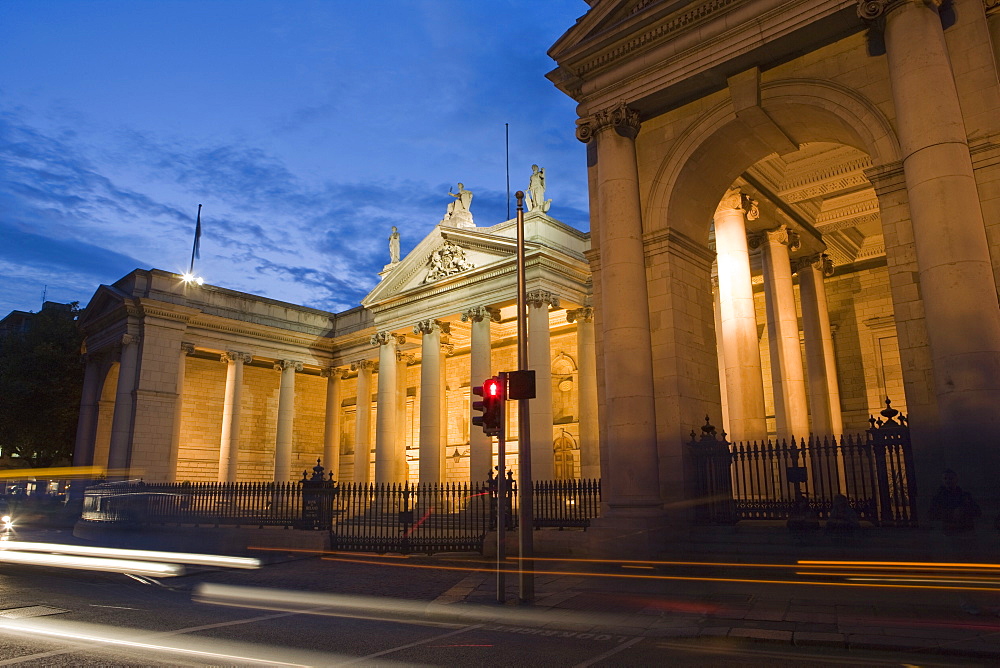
<point>525,529</point>
<point>501,485</point>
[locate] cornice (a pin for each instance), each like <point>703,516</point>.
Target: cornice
<point>670,240</point>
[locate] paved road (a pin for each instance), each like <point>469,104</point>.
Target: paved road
<point>108,619</point>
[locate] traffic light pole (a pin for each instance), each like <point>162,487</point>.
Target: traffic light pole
<point>526,566</point>
<point>501,483</point>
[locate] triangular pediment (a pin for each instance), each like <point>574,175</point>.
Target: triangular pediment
<point>604,17</point>
<point>444,254</point>
<point>106,301</point>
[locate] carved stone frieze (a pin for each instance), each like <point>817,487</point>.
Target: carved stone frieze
<point>621,118</point>
<point>480,313</point>
<point>447,260</point>
<point>583,314</point>
<point>540,298</point>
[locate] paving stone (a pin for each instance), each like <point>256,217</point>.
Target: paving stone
<point>815,617</point>
<point>823,639</point>
<point>761,634</point>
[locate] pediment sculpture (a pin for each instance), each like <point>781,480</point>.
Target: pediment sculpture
<point>447,260</point>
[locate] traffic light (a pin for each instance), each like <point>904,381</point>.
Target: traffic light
<point>491,406</point>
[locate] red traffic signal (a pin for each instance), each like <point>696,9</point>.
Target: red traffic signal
<point>491,406</point>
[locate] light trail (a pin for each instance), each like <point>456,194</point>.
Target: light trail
<point>137,555</point>
<point>148,568</point>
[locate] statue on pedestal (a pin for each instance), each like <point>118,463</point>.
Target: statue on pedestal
<point>394,246</point>
<point>536,191</point>
<point>458,214</point>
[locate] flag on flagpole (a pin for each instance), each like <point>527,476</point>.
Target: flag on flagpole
<point>197,241</point>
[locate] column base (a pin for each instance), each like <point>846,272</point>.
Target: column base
<point>629,536</point>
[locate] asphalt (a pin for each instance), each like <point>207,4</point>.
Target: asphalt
<point>711,597</point>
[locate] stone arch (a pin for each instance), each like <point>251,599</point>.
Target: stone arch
<point>718,147</point>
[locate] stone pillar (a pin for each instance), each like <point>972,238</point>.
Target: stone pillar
<point>824,391</point>
<point>540,361</point>
<point>331,423</point>
<point>286,419</point>
<point>630,483</point>
<point>387,456</point>
<point>175,435</point>
<point>362,421</point>
<point>86,424</point>
<point>953,256</point>
<point>738,335</point>
<point>119,451</point>
<point>586,368</point>
<point>403,360</point>
<point>719,349</point>
<point>480,368</point>
<point>431,390</point>
<point>229,444</point>
<point>787,377</point>
<point>993,25</point>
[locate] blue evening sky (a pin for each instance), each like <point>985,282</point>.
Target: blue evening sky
<point>307,129</point>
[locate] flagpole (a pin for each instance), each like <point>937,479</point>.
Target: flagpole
<point>197,238</point>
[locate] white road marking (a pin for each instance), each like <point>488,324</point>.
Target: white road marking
<point>412,644</point>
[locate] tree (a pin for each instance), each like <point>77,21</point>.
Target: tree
<point>41,378</point>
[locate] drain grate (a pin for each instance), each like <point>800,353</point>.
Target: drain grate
<point>30,611</point>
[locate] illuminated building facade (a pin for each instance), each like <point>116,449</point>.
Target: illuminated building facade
<point>740,151</point>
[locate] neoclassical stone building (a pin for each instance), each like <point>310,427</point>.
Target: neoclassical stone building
<point>196,382</point>
<point>827,172</point>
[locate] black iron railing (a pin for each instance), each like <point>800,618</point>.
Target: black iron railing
<point>766,481</point>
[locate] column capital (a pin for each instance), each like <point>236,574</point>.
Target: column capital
<point>875,11</point>
<point>283,365</point>
<point>363,365</point>
<point>447,349</point>
<point>736,200</point>
<point>779,235</point>
<point>620,117</point>
<point>234,356</point>
<point>583,314</point>
<point>385,338</point>
<point>129,339</point>
<point>409,358</point>
<point>820,261</point>
<point>539,298</point>
<point>480,313</point>
<point>428,326</point>
<point>333,372</point>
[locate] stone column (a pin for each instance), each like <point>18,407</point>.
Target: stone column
<point>738,337</point>
<point>630,484</point>
<point>387,467</point>
<point>187,349</point>
<point>362,421</point>
<point>993,25</point>
<point>331,423</point>
<point>586,368</point>
<point>86,424</point>
<point>719,349</point>
<point>824,391</point>
<point>480,368</point>
<point>229,444</point>
<point>119,451</point>
<point>431,390</point>
<point>540,361</point>
<point>286,419</point>
<point>953,256</point>
<point>403,360</point>
<point>787,377</point>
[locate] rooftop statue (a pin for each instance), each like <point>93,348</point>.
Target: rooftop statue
<point>394,246</point>
<point>536,191</point>
<point>458,214</point>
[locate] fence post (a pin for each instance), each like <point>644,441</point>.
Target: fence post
<point>713,480</point>
<point>886,435</point>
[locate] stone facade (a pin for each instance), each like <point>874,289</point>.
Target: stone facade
<point>866,133</point>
